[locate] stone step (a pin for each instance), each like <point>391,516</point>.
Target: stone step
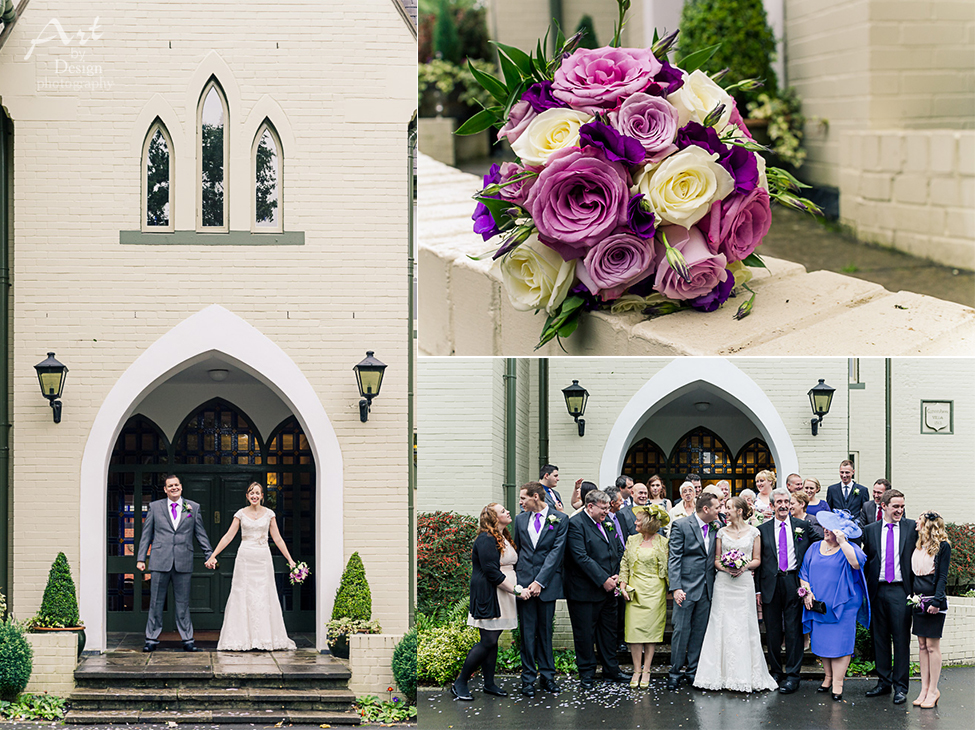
<point>302,717</point>
<point>187,699</point>
<point>309,683</point>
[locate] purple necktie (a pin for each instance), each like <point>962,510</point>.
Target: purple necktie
<point>783,550</point>
<point>173,505</point>
<point>600,526</point>
<point>889,562</point>
<point>704,530</point>
<point>619,533</point>
<point>538,522</point>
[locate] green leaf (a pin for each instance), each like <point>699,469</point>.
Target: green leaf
<point>514,98</point>
<point>521,59</point>
<point>539,62</point>
<point>753,259</point>
<point>478,123</point>
<point>569,327</point>
<point>697,59</point>
<point>512,75</point>
<point>493,86</point>
<point>559,38</point>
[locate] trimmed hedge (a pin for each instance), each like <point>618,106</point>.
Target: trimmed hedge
<point>59,607</point>
<point>404,664</point>
<point>961,573</point>
<point>443,559</point>
<point>353,599</point>
<point>16,660</point>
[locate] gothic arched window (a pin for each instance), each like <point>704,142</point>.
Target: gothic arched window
<point>213,155</point>
<point>158,162</point>
<point>267,165</point>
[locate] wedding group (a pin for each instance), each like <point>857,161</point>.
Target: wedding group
<point>252,617</point>
<point>809,569</point>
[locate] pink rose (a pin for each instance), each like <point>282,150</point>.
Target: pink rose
<point>597,80</point>
<point>518,120</point>
<point>616,263</point>
<point>736,119</point>
<point>706,269</point>
<point>736,225</point>
<point>651,120</point>
<point>516,192</point>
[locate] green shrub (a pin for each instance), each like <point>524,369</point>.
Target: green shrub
<point>961,571</point>
<point>441,652</point>
<point>353,598</point>
<point>587,27</point>
<point>443,559</point>
<point>404,665</point>
<point>445,38</point>
<point>863,648</point>
<point>59,607</point>
<point>33,707</point>
<point>16,659</point>
<point>747,42</point>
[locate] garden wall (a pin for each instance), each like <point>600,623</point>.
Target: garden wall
<point>55,659</point>
<point>370,659</point>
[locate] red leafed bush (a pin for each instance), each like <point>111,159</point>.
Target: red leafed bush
<point>961,574</point>
<point>443,559</point>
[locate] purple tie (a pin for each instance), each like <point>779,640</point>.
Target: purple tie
<point>704,530</point>
<point>783,550</point>
<point>600,526</point>
<point>173,505</point>
<point>538,522</point>
<point>889,562</point>
<point>619,532</point>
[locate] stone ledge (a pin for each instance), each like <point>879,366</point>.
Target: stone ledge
<point>463,309</point>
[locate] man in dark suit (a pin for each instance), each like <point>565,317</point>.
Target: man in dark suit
<point>625,484</point>
<point>592,561</point>
<point>846,493</point>
<point>548,477</point>
<point>784,544</point>
<point>690,569</point>
<point>540,533</point>
<point>889,544</point>
<point>625,524</point>
<point>874,511</point>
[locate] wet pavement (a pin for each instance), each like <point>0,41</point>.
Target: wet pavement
<point>611,705</point>
<point>825,246</point>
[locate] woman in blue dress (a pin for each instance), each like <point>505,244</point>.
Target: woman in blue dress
<point>832,572</point>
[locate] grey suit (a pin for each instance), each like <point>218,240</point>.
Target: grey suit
<point>690,568</point>
<point>171,560</point>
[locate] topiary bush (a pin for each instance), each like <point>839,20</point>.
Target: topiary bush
<point>16,660</point>
<point>747,42</point>
<point>961,571</point>
<point>443,559</point>
<point>353,598</point>
<point>404,664</point>
<point>59,607</point>
<point>588,29</point>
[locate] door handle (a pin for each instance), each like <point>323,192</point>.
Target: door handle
<point>216,517</point>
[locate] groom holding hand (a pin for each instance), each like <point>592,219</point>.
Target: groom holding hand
<point>169,528</point>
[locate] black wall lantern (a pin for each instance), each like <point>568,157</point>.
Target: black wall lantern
<point>575,402</point>
<point>820,398</point>
<point>369,376</point>
<point>51,375</point>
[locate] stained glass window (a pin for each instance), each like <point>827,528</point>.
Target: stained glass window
<point>218,433</point>
<point>702,452</point>
<point>752,458</point>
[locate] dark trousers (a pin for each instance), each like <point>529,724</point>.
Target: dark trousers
<point>594,621</point>
<point>620,619</point>
<point>158,585</point>
<point>891,624</point>
<point>784,612</point>
<point>535,620</point>
<point>690,625</point>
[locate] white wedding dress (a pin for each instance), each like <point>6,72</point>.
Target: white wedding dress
<point>252,618</point>
<point>732,656</point>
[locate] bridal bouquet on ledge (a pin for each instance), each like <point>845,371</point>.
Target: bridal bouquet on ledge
<point>637,187</point>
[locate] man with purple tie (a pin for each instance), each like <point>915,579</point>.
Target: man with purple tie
<point>889,544</point>
<point>169,528</point>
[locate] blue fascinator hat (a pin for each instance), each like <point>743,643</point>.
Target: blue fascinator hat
<point>839,521</point>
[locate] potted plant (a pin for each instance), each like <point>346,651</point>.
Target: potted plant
<point>352,611</point>
<point>59,607</point>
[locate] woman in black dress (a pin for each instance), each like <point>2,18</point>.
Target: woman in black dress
<point>929,564</point>
<point>492,608</point>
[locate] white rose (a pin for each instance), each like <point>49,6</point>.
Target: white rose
<point>550,131</point>
<point>698,97</point>
<point>682,187</point>
<point>742,273</point>
<point>536,277</point>
<point>762,177</point>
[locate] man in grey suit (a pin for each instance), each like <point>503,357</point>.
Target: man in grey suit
<point>540,534</point>
<point>690,572</point>
<point>169,528</point>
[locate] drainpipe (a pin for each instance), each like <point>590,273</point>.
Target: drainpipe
<point>555,10</point>
<point>5,530</point>
<point>887,407</point>
<point>510,433</point>
<point>542,412</point>
<point>411,344</point>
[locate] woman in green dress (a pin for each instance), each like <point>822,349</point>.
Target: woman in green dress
<point>643,583</point>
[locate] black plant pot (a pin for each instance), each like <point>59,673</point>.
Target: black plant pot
<point>340,647</point>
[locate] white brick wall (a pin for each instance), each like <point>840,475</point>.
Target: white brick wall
<point>370,659</point>
<point>55,659</point>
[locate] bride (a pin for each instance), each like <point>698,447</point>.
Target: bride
<point>732,656</point>
<point>252,618</point>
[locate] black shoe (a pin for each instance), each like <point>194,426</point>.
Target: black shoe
<point>149,646</point>
<point>778,677</point>
<point>821,688</point>
<point>495,690</point>
<point>673,683</point>
<point>788,686</point>
<point>190,646</point>
<point>838,697</point>
<point>623,648</point>
<point>900,698</point>
<point>550,685</point>
<point>687,677</point>
<point>618,677</point>
<point>461,695</point>
<point>587,683</point>
<point>528,690</point>
<point>879,689</point>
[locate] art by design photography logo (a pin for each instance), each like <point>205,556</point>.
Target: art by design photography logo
<point>71,65</point>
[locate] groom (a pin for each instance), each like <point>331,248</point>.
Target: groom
<point>169,528</point>
<point>690,570</point>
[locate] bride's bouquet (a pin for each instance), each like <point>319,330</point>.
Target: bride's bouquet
<point>299,573</point>
<point>637,187</point>
<point>734,559</point>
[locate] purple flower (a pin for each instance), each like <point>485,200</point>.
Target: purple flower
<point>651,120</point>
<point>616,147</point>
<point>641,222</point>
<point>590,301</point>
<point>706,269</point>
<point>667,80</point>
<point>736,225</point>
<point>718,296</point>
<point>577,200</point>
<point>704,137</point>
<point>519,118</point>
<point>539,96</point>
<point>483,220</point>
<point>516,192</point>
<point>615,263</point>
<point>741,164</point>
<point>596,80</point>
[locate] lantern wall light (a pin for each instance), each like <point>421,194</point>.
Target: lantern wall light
<point>576,398</point>
<point>369,376</point>
<point>820,398</point>
<point>51,375</point>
